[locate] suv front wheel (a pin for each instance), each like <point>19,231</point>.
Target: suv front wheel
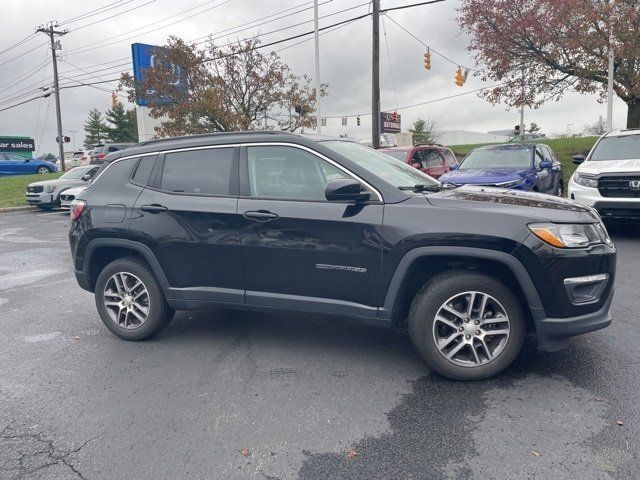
<point>466,325</point>
<point>130,301</point>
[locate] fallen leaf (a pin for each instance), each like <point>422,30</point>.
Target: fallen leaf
<point>352,454</point>
<point>245,452</point>
<point>76,338</point>
<point>620,422</point>
<point>598,399</point>
<point>537,454</point>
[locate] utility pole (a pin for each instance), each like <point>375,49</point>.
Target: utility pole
<point>522,109</point>
<point>375,77</point>
<point>610,83</point>
<point>317,41</point>
<point>52,33</point>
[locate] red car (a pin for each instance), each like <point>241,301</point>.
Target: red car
<point>432,159</point>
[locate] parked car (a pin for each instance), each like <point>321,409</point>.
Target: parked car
<point>101,151</point>
<point>74,161</point>
<point>530,167</point>
<point>46,194</point>
<point>14,164</point>
<point>274,220</point>
<point>432,159</point>
<point>608,178</point>
<point>69,195</point>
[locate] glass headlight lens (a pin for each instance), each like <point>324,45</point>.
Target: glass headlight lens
<point>585,180</point>
<point>562,235</point>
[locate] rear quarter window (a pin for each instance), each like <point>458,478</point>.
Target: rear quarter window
<point>114,175</point>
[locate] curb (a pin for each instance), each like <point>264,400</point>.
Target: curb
<point>26,208</point>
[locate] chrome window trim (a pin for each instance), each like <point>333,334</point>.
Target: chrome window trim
<point>248,144</point>
<point>319,155</point>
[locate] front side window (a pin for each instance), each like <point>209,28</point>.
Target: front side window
<point>449,157</point>
<point>78,172</point>
<point>433,158</point>
<point>199,172</point>
<point>281,172</point>
<point>12,157</point>
<point>624,147</point>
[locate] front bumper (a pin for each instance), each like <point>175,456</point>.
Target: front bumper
<point>65,201</point>
<point>40,198</point>
<point>609,208</point>
<point>554,333</point>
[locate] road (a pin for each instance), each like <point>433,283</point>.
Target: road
<point>302,398</point>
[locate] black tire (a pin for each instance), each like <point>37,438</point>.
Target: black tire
<point>159,315</point>
<point>434,294</point>
<point>46,208</point>
<point>559,190</point>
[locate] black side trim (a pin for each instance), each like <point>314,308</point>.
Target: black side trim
<point>518,270</point>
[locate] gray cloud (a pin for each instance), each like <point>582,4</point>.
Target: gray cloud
<point>345,64</point>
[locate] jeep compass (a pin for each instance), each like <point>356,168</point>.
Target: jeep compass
<point>278,221</point>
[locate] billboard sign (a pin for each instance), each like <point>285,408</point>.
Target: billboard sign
<point>145,56</point>
<point>17,144</point>
<point>390,122</point>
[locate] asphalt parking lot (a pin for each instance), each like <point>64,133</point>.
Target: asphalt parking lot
<point>237,395</point>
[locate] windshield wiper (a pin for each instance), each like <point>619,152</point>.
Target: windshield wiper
<point>422,187</point>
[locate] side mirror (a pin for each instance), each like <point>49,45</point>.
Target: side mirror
<point>454,166</point>
<point>416,165</point>
<point>578,158</point>
<point>346,190</point>
<point>545,165</point>
<point>86,177</point>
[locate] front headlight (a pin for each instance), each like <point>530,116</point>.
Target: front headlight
<point>585,180</point>
<point>566,235</point>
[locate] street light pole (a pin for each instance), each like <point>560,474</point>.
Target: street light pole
<point>375,77</point>
<point>317,42</point>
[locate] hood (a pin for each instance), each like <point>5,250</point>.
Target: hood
<point>483,176</point>
<point>535,206</point>
<point>58,183</point>
<point>75,190</point>
<point>596,167</point>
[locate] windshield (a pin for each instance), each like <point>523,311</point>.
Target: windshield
<point>617,148</point>
<point>74,174</point>
<point>381,165</point>
<point>397,154</point>
<point>497,158</point>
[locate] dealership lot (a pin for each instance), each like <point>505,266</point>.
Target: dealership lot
<point>234,395</point>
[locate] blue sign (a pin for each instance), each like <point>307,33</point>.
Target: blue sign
<point>145,56</point>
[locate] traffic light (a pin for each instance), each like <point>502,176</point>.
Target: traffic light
<point>427,60</point>
<point>65,139</point>
<point>358,120</point>
<point>459,77</point>
<point>516,130</point>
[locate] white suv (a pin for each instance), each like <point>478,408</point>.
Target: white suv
<point>608,179</point>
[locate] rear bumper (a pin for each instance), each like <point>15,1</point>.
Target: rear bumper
<point>554,333</point>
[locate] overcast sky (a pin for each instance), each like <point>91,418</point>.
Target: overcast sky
<point>345,62</point>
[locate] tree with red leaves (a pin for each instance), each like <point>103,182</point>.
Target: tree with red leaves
<point>539,49</point>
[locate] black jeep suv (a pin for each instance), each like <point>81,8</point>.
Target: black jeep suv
<point>270,220</point>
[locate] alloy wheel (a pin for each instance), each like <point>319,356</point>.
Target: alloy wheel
<point>126,300</point>
<point>43,170</point>
<point>471,329</point>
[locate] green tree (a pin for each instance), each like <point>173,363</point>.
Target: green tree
<point>424,131</point>
<point>533,128</point>
<point>95,130</point>
<point>121,124</point>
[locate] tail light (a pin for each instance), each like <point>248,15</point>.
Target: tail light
<point>76,208</point>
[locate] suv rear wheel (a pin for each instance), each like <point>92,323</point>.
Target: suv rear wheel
<point>130,301</point>
<point>466,325</point>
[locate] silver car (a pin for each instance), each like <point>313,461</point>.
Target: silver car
<point>69,195</point>
<point>46,194</point>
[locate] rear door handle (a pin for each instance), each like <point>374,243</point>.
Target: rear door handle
<point>155,208</point>
<point>260,215</point>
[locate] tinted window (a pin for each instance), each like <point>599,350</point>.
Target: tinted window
<point>288,172</point>
<point>433,158</point>
<point>203,172</point>
<point>143,170</point>
<point>115,176</point>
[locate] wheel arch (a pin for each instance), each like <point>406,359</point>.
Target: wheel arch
<point>422,263</point>
<point>101,252</point>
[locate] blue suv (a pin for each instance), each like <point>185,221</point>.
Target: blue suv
<point>529,167</point>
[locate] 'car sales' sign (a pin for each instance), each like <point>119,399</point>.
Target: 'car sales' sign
<point>16,144</point>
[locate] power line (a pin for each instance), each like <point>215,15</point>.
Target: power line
<point>23,53</point>
<point>94,12</point>
<point>18,43</point>
<point>112,16</point>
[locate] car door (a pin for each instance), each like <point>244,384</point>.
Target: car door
<point>6,167</point>
<point>187,216</point>
<point>300,250</point>
<point>18,165</point>
<point>545,177</point>
<point>556,169</point>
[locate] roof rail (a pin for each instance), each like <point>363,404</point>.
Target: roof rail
<point>428,145</point>
<point>215,134</point>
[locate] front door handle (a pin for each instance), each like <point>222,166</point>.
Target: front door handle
<point>154,208</point>
<point>260,215</point>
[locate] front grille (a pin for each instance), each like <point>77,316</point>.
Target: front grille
<point>619,186</point>
<point>67,197</point>
<point>38,189</point>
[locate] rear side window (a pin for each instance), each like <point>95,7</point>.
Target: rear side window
<point>199,172</point>
<point>116,175</point>
<point>143,170</point>
<point>449,157</point>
